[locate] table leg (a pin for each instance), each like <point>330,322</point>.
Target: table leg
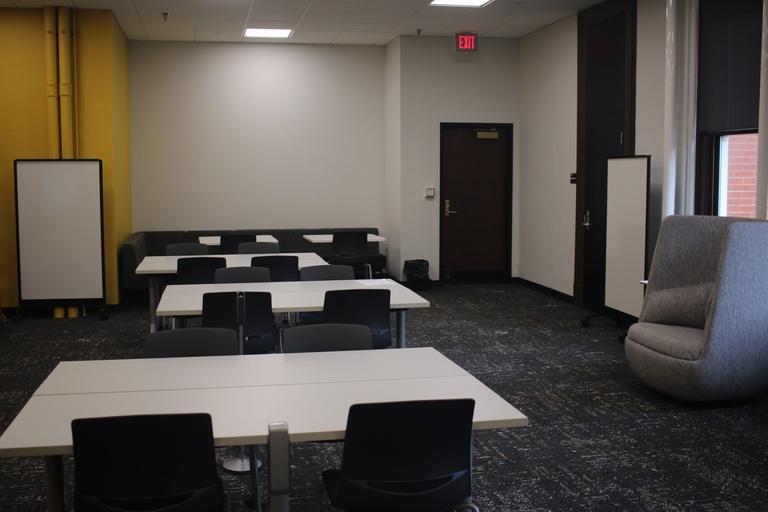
<point>255,499</point>
<point>400,320</point>
<point>154,293</point>
<point>54,483</point>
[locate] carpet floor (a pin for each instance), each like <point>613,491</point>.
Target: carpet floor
<point>598,439</point>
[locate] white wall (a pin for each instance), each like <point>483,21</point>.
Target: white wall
<point>227,136</point>
<point>249,136</point>
<point>549,72</point>
<point>393,161</point>
<point>261,135</point>
<point>649,137</point>
<point>548,69</point>
<point>440,86</point>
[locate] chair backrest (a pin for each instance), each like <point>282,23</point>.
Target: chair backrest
<point>242,275</point>
<point>364,306</point>
<point>229,243</point>
<point>191,342</point>
<point>408,456</point>
<point>326,338</point>
<point>738,323</point>
<point>684,269</point>
<point>146,462</point>
<point>251,310</point>
<point>351,248</point>
<point>281,267</point>
<point>687,250</point>
<point>258,248</point>
<point>198,270</point>
<point>186,249</point>
<point>349,243</point>
<point>326,273</point>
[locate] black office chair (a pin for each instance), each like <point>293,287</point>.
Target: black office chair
<point>195,270</point>
<point>326,273</point>
<point>322,273</point>
<point>364,306</point>
<point>326,337</point>
<point>406,457</point>
<point>258,248</point>
<point>281,267</point>
<point>163,462</point>
<point>247,313</point>
<point>230,243</point>
<point>242,275</point>
<point>192,342</point>
<point>198,270</point>
<point>351,248</point>
<point>182,249</point>
<point>186,249</point>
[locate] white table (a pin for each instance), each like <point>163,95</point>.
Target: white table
<point>216,240</point>
<point>290,297</point>
<point>312,392</point>
<point>164,265</point>
<point>328,238</point>
<point>158,266</point>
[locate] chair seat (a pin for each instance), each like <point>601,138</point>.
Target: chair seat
<point>676,341</point>
<point>208,498</point>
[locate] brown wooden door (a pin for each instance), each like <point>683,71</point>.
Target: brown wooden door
<point>606,129</point>
<point>475,203</point>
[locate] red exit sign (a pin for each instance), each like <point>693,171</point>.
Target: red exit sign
<point>465,42</point>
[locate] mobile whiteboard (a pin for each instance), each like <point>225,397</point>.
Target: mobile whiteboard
<point>626,233</point>
<point>59,230</point>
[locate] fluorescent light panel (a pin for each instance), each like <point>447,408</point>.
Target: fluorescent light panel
<point>268,32</point>
<point>461,3</point>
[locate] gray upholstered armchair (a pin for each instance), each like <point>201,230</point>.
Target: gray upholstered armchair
<point>702,334</point>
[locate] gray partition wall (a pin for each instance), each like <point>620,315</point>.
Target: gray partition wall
<point>59,230</point>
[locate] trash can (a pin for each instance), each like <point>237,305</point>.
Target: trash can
<point>417,274</point>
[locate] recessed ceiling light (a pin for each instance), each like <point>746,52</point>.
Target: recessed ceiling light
<point>461,3</point>
<point>268,32</point>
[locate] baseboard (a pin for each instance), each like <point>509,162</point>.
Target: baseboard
<point>543,289</point>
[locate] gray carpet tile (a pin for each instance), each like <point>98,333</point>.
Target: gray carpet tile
<point>598,439</point>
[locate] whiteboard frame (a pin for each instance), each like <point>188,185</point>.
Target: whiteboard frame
<point>60,232</point>
<point>626,233</point>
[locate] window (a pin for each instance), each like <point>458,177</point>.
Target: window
<point>730,35</point>
<point>737,180</point>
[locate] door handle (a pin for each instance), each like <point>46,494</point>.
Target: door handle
<point>447,209</point>
<point>586,223</point>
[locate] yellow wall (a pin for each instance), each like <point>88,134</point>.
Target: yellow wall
<point>23,128</point>
<point>102,124</point>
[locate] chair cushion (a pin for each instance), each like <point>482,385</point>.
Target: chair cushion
<point>671,340</point>
<point>683,305</point>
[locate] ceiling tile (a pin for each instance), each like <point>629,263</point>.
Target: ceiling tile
<point>371,22</point>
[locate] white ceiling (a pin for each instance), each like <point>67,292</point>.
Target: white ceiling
<point>374,22</point>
